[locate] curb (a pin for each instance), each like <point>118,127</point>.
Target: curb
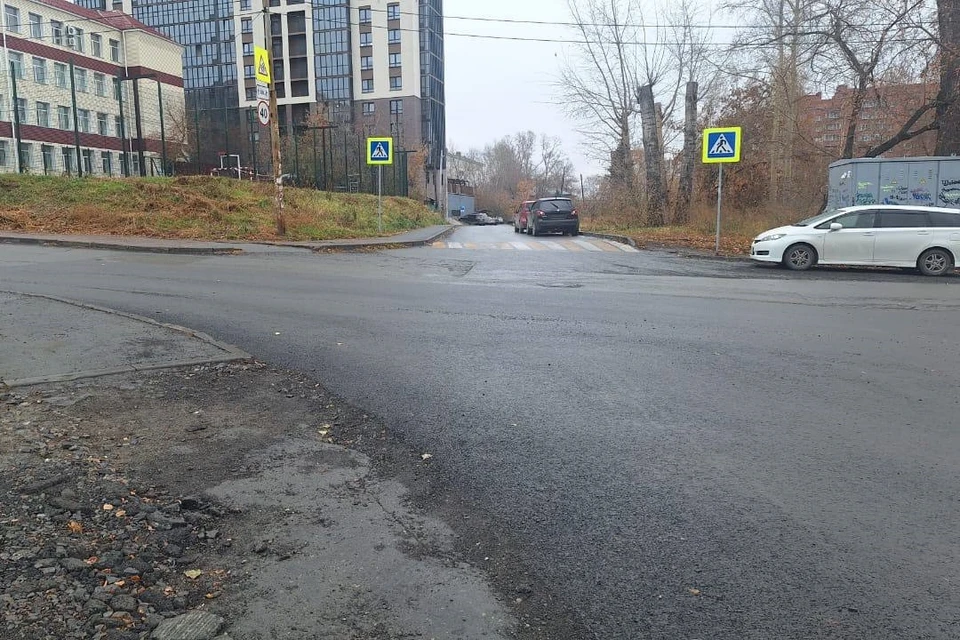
<point>612,237</point>
<point>679,251</point>
<point>88,244</point>
<point>403,244</point>
<point>233,353</point>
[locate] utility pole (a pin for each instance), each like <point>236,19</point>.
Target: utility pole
<point>163,131</point>
<point>139,124</point>
<point>76,124</point>
<point>17,135</point>
<point>274,126</point>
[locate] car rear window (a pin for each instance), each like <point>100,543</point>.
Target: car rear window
<point>555,205</point>
<point>903,219</point>
<point>944,219</point>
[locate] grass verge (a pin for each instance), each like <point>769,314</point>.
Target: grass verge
<point>200,208</point>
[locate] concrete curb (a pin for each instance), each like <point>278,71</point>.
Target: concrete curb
<point>403,244</point>
<point>612,237</point>
<point>233,353</point>
<point>119,246</point>
<point>680,251</point>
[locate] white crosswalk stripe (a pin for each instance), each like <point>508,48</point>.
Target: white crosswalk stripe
<point>589,246</point>
<point>553,245</point>
<point>570,245</point>
<point>521,246</point>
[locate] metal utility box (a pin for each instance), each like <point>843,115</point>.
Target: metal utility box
<point>929,181</point>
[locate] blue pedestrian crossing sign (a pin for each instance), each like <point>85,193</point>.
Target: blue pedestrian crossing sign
<point>722,145</point>
<point>379,150</point>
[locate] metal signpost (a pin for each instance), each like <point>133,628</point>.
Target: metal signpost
<point>267,115</point>
<point>379,153</point>
<point>720,146</point>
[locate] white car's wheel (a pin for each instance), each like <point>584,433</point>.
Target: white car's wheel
<point>935,262</point>
<point>799,257</point>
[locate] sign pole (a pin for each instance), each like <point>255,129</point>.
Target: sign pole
<point>265,58</point>
<point>379,198</point>
<point>719,204</point>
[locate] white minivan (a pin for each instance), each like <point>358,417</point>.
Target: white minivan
<point>924,238</point>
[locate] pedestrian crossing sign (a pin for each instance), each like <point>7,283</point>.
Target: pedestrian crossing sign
<point>261,60</point>
<point>379,150</point>
<point>722,145</point>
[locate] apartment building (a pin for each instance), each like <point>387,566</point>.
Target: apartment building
<point>72,84</point>
<point>371,66</point>
<point>824,121</point>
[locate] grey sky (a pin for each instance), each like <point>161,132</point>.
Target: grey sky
<point>498,87</point>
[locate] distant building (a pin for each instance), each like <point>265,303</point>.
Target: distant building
<point>461,197</point>
<point>824,121</point>
<point>117,62</point>
<point>374,66</point>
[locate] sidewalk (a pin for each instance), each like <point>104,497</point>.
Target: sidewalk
<point>45,339</point>
<point>415,238</point>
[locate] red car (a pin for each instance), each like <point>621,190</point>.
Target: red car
<point>520,217</point>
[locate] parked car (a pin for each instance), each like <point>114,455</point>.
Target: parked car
<point>484,219</point>
<point>923,238</point>
<point>520,216</point>
<point>553,214</point>
<point>470,218</point>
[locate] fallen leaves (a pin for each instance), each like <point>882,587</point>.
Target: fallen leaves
<point>193,574</point>
<point>108,507</point>
<point>694,591</point>
<point>75,527</point>
<point>426,456</point>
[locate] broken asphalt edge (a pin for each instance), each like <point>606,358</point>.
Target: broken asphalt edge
<point>234,354</point>
<point>381,243</point>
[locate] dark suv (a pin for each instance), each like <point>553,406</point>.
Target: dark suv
<point>553,214</point>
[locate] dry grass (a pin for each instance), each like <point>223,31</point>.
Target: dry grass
<point>195,208</point>
<point>737,228</point>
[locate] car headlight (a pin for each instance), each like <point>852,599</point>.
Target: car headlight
<point>772,236</point>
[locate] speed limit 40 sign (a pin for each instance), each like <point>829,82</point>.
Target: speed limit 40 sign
<point>263,113</point>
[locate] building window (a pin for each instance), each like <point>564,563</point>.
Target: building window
<point>83,120</point>
<point>75,39</point>
<point>16,59</point>
<point>56,28</point>
<point>43,114</point>
<point>833,126</point>
<point>96,44</point>
<point>251,94</point>
<point>393,11</point>
<point>103,124</point>
<point>366,15</point>
<point>396,107</point>
<point>36,26</point>
<point>26,151</point>
<point>248,71</point>
<point>366,39</point>
<point>80,79</point>
<point>366,86</point>
<point>2,111</point>
<point>245,5</point>
<point>366,62</point>
<point>46,152</point>
<point>831,137</point>
<point>68,160</point>
<point>246,25</point>
<point>115,50</point>
<point>393,36</point>
<point>22,110</point>
<point>834,114</point>
<point>395,60</point>
<point>12,16</point>
<point>396,83</point>
<point>40,71</point>
<point>60,74</point>
<point>106,163</point>
<point>4,152</point>
<point>63,118</point>
<point>87,155</point>
<point>369,108</point>
<point>100,84</point>
<point>117,88</point>
<point>248,48</point>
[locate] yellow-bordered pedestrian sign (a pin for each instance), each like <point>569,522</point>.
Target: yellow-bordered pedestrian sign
<point>261,62</point>
<point>379,150</point>
<point>722,145</point>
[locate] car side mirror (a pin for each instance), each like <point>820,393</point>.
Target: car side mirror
<point>835,226</point>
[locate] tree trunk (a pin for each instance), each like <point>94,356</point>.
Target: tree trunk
<point>652,156</point>
<point>850,137</point>
<point>621,159</point>
<point>948,106</point>
<point>688,161</point>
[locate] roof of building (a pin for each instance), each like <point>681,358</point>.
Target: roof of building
<point>115,19</point>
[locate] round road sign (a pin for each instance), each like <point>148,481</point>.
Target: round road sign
<point>263,113</point>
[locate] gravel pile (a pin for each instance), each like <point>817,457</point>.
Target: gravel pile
<point>84,551</point>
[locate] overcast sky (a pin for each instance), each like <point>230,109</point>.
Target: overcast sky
<point>498,87</point>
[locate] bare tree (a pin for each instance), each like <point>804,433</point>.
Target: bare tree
<point>948,100</point>
<point>600,86</point>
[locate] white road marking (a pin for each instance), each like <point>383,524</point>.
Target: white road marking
<point>553,245</point>
<point>588,246</point>
<point>454,245</point>
<point>521,246</point>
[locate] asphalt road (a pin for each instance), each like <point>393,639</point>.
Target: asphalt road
<point>665,447</point>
